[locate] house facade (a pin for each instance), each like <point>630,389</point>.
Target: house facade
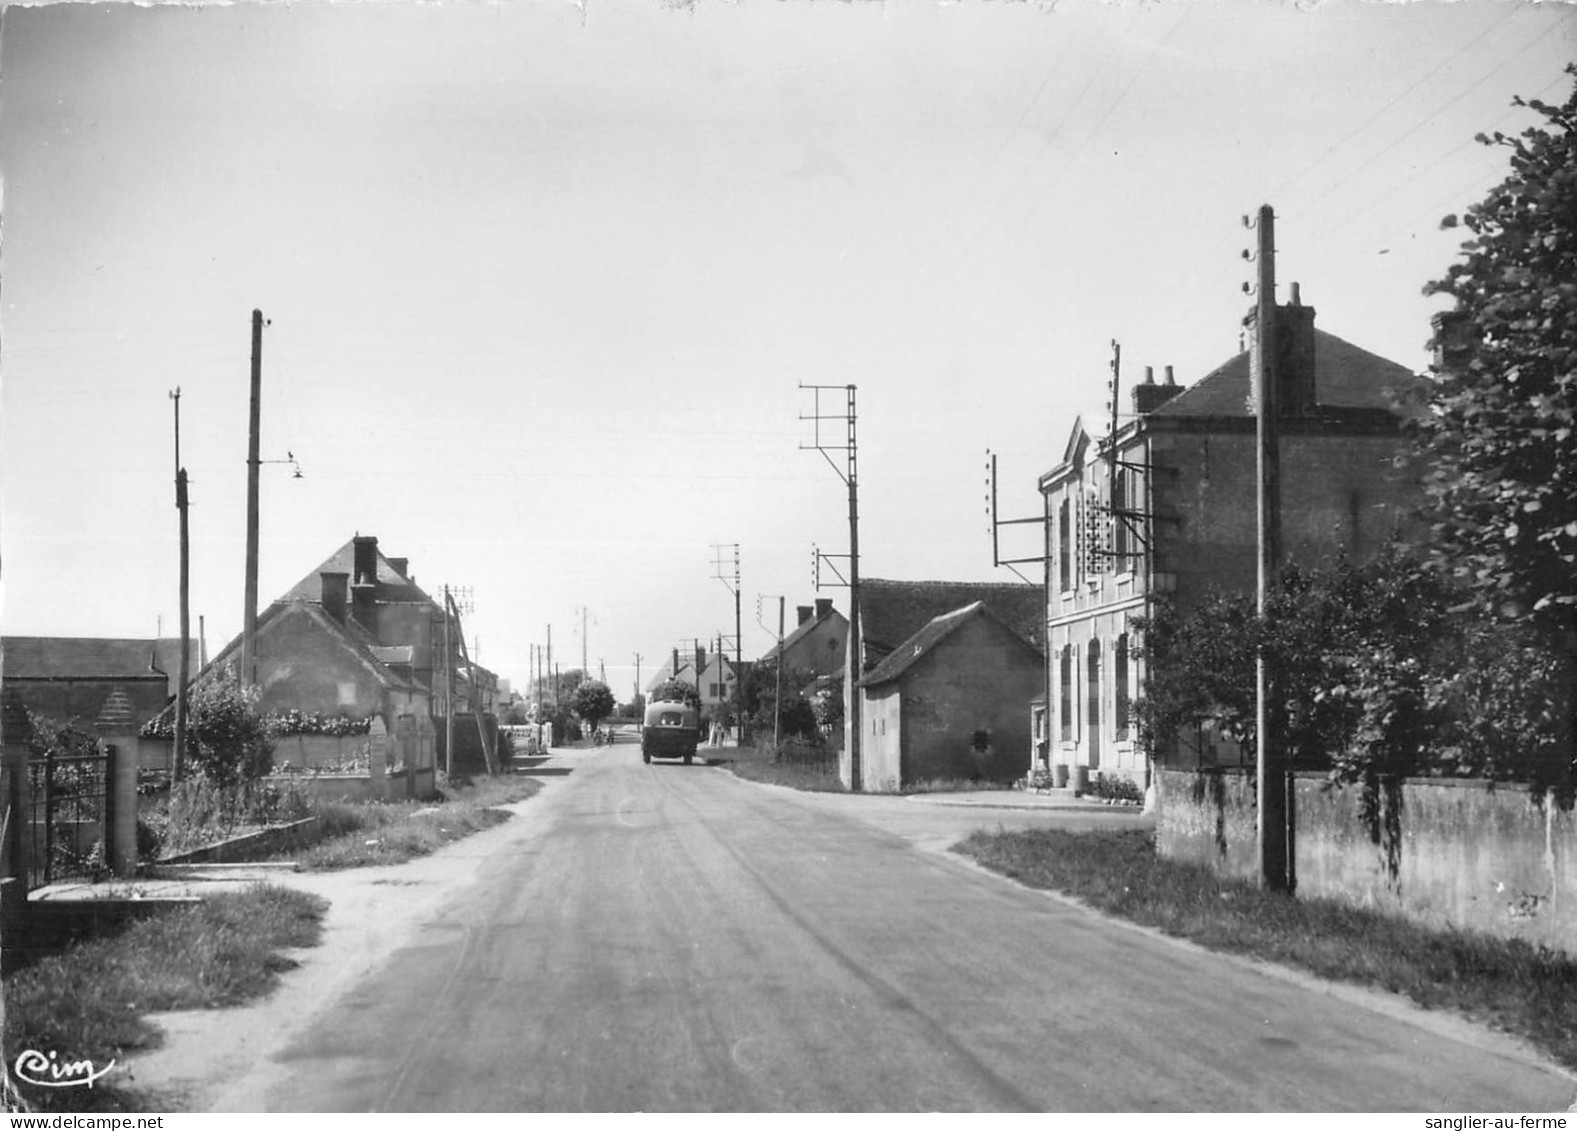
<point>1165,509</point>
<point>817,642</point>
<point>950,702</point>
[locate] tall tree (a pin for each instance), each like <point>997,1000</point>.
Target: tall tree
<point>1502,430</point>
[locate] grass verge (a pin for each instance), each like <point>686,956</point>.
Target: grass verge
<point>1529,992</point>
<point>89,1004</point>
<point>367,835</point>
<point>759,763</point>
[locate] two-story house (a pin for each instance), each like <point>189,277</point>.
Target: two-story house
<point>1165,507</point>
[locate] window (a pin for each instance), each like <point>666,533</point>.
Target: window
<point>1065,708</point>
<point>1123,703</point>
<point>982,741</point>
<point>1092,683</point>
<point>1120,532</point>
<point>1065,545</point>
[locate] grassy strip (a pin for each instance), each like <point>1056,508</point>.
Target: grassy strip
<point>366,835</point>
<point>1530,992</point>
<point>88,1004</point>
<point>757,763</point>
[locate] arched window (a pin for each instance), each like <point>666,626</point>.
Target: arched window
<point>1122,701</point>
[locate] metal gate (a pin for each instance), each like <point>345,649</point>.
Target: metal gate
<point>69,819</point>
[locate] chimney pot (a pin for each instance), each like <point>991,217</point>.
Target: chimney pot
<point>1149,374</point>
<point>1170,380</point>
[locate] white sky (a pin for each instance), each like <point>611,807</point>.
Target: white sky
<point>544,279</point>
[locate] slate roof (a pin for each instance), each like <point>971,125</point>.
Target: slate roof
<point>893,611</point>
<point>802,630</point>
<point>924,642</point>
<point>391,584</point>
<point>1345,376</point>
<point>89,657</point>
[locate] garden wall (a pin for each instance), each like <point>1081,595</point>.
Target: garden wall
<point>1443,852</point>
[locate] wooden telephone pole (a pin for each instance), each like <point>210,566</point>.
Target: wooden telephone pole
<point>254,464</point>
<point>184,674</point>
<point>1272,782</point>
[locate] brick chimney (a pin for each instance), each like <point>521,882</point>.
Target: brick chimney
<point>364,584</point>
<point>334,594</point>
<point>823,606</point>
<point>804,612</point>
<point>1295,356</point>
<point>1149,396</point>
<point>401,566</point>
<point>1452,342</point>
<point>365,565</point>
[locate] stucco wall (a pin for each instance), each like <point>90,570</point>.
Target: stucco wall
<point>300,666</point>
<point>978,679</point>
<point>1446,853</point>
<point>882,748</point>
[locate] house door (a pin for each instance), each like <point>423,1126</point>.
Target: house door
<point>1092,707</point>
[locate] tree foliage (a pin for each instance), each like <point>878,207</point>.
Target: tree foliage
<point>1502,430</point>
<point>593,701</point>
<point>1503,427</point>
<point>794,715</point>
<point>1381,670</point>
<point>227,738</point>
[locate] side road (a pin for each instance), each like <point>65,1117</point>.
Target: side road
<point>372,913</point>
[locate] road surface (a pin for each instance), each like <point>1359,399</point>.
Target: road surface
<point>672,938</point>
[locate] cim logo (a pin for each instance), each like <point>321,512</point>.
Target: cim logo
<point>33,1067</point>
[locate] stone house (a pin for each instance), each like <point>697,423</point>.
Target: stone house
<point>893,612</point>
<point>1165,508</point>
<point>950,702</point>
<point>817,642</point>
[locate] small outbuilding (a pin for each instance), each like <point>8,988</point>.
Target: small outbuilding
<point>948,703</point>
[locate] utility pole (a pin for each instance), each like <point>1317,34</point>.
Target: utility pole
<point>1270,759</point>
<point>184,674</point>
<point>253,467</point>
<point>849,473</point>
<point>739,683</point>
<point>448,692</point>
<point>636,701</point>
<point>551,669</point>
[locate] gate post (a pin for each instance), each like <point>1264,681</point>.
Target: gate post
<point>117,726</point>
<point>16,728</point>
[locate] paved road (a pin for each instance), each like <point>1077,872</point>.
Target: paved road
<point>663,937</point>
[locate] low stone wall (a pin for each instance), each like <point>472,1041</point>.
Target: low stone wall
<point>314,751</point>
<point>254,845</point>
<point>1440,851</point>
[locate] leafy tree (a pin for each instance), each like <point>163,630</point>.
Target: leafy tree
<point>227,737</point>
<point>593,702</point>
<point>795,715</point>
<point>1502,430</point>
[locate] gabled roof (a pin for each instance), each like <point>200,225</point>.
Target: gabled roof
<point>933,634</point>
<point>802,630</point>
<point>352,636</point>
<point>1345,376</point>
<point>893,611</point>
<point>391,584</point>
